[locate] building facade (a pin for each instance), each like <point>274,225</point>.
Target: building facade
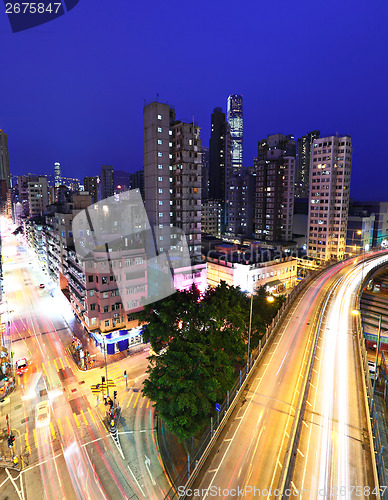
<point>211,215</point>
<point>241,203</point>
<point>303,160</point>
<point>275,171</point>
<point>90,186</point>
<point>331,164</point>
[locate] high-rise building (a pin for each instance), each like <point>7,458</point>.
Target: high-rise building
<point>136,181</point>
<point>275,171</point>
<point>90,185</point>
<point>107,182</point>
<point>331,162</point>
<point>302,171</point>
<point>205,173</point>
<point>235,121</point>
<point>241,203</point>
<point>211,217</point>
<point>57,174</point>
<point>172,175</point>
<point>4,160</point>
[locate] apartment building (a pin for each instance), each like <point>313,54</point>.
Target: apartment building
<point>330,170</point>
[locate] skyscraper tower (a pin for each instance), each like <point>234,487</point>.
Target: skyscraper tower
<point>331,163</point>
<point>57,174</point>
<point>107,181</point>
<point>235,120</point>
<point>302,171</point>
<point>4,160</point>
<point>275,169</point>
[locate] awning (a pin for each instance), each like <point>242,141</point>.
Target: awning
<point>273,283</point>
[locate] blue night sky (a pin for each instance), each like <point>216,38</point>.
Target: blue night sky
<point>73,90</point>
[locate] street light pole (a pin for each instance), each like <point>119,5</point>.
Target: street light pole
<point>249,331</point>
<point>106,369</point>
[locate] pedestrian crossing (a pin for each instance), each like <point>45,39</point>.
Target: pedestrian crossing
<point>64,426</point>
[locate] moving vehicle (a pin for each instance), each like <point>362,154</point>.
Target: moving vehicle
<point>41,285</point>
<point>42,414</point>
<point>21,366</point>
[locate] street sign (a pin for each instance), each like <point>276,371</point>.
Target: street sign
<point>101,386</point>
<point>218,407</point>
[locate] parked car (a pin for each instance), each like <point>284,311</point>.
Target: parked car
<point>372,370</point>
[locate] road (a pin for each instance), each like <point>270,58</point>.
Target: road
<point>334,446</point>
<point>72,455</point>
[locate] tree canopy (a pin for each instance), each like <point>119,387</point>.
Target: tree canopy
<point>205,340</point>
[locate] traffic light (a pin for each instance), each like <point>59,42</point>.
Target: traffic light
<point>11,439</point>
<point>114,394</point>
<point>103,379</point>
<point>125,373</point>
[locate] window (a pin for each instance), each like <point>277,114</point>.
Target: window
<point>107,322</point>
<point>104,280</point>
<point>159,129</point>
<point>160,179</point>
<point>160,167</point>
<point>160,191</point>
<point>90,278</point>
<point>160,202</point>
<point>92,307</point>
<point>160,154</point>
<point>160,214</point>
<point>106,309</point>
<point>159,141</point>
<point>159,117</point>
<point>91,293</point>
<point>105,295</point>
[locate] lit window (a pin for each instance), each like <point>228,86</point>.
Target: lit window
<point>160,214</point>
<point>160,202</point>
<point>160,191</point>
<point>160,179</point>
<point>170,132</point>
<point>159,141</point>
<point>159,129</point>
<point>159,117</point>
<point>160,167</point>
<point>160,154</point>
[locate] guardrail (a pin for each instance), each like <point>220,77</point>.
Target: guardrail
<point>209,438</point>
<point>379,470</point>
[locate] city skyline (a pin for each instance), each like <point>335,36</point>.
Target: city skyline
<point>93,88</point>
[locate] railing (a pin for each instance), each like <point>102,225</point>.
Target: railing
<point>207,440</point>
<point>373,427</point>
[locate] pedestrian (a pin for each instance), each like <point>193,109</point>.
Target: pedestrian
<point>98,400</point>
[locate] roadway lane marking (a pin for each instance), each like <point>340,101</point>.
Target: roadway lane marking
<point>91,414</point>
<point>52,430</point>
<point>56,366</point>
<point>130,399</point>
<point>84,418</point>
<point>76,420</point>
<point>63,366</point>
<point>137,482</point>
<point>212,470</point>
<point>27,443</point>
<point>135,403</point>
<point>35,440</point>
<point>300,452</point>
<point>68,422</point>
<point>305,424</point>
<point>142,401</point>
<point>60,426</point>
<point>149,401</point>
<point>44,369</point>
<point>308,402</point>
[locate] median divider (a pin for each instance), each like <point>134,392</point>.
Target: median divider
<point>259,352</point>
<point>293,441</point>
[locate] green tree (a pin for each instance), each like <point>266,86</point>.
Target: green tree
<point>205,343</point>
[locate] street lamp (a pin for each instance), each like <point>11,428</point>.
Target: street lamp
<point>356,312</point>
<point>269,298</point>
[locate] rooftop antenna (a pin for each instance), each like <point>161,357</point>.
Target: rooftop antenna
<point>157,97</point>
